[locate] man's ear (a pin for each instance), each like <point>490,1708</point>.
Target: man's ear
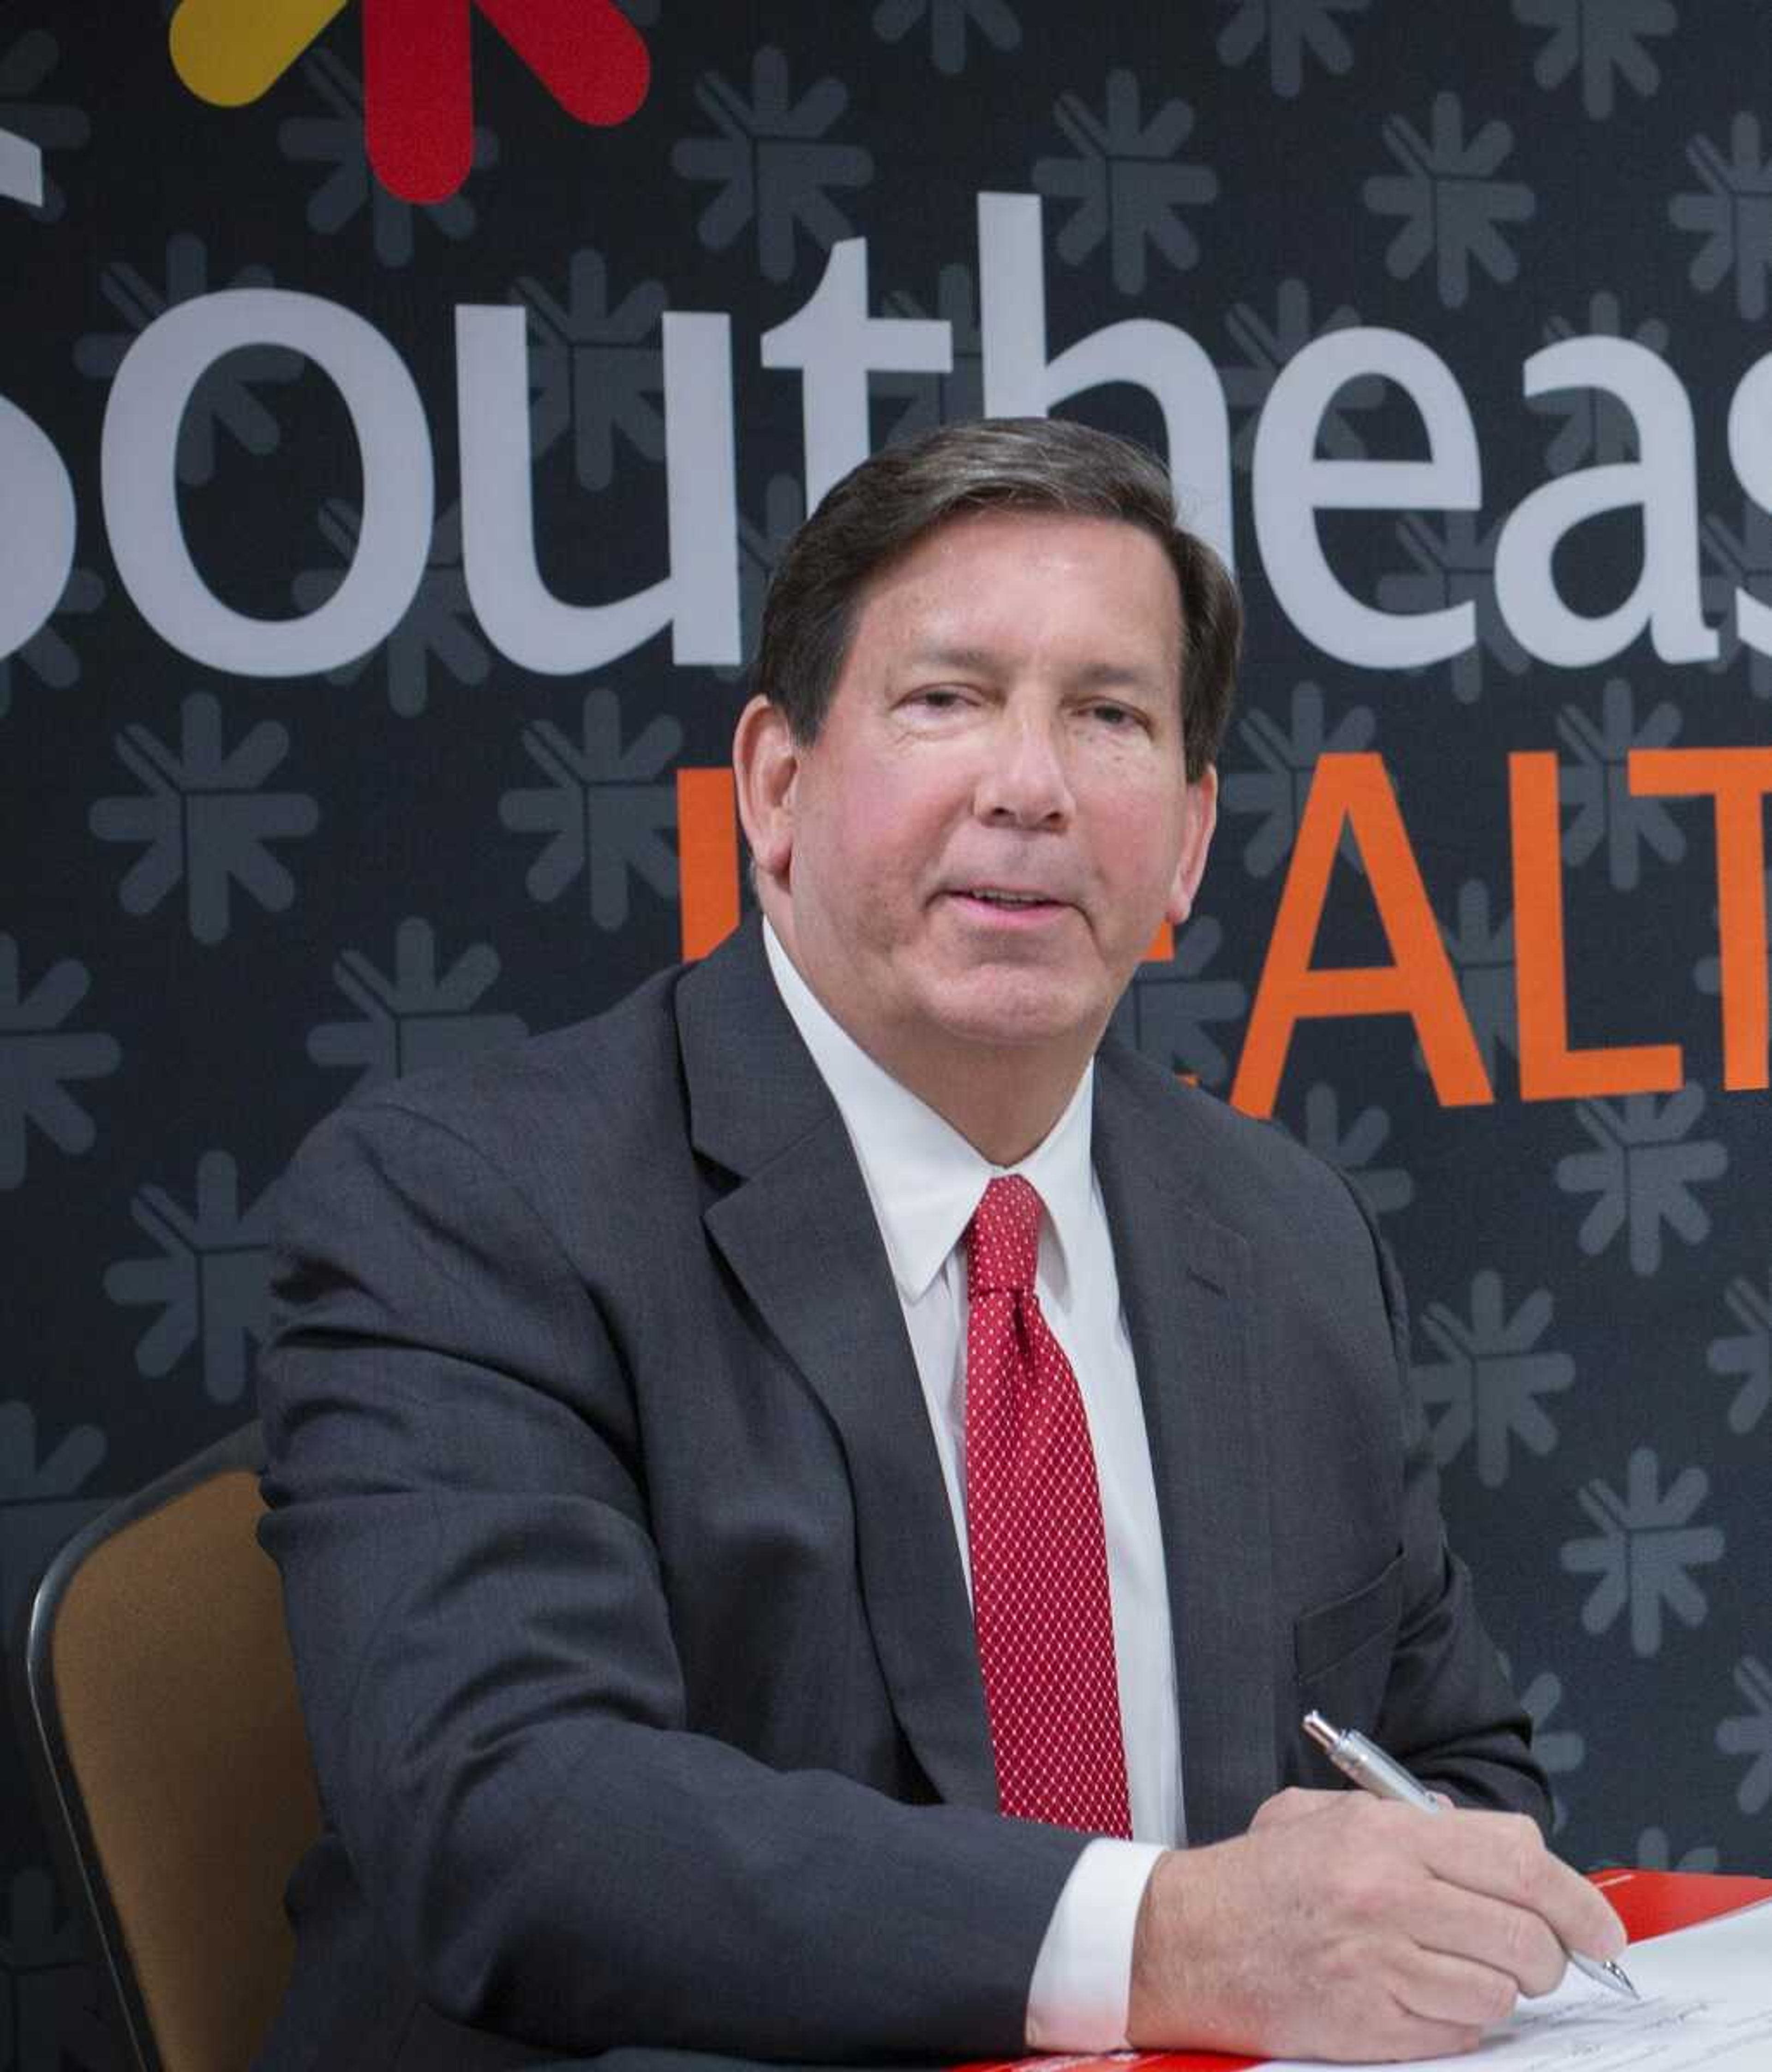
<point>766,767</point>
<point>1201,810</point>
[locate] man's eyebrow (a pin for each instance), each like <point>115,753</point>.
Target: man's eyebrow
<point>984,661</point>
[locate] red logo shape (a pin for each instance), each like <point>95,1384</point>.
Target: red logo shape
<point>418,78</point>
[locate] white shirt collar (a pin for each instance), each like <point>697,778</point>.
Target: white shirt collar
<point>923,1178</point>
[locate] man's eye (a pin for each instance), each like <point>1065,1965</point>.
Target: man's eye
<point>1115,716</point>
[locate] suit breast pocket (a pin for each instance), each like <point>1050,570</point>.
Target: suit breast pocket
<point>1342,1650</point>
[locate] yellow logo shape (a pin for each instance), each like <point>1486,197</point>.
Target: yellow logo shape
<point>228,53</point>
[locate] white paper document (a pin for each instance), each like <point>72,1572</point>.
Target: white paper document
<point>1706,2007</point>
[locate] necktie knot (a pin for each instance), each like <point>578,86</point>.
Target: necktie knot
<point>1003,1238</point>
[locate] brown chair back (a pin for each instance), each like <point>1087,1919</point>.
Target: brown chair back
<point>161,1716</point>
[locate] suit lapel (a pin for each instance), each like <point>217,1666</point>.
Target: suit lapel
<point>1184,1284</point>
<point>798,1231</point>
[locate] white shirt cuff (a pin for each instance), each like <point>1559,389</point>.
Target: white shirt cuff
<point>1083,1978</point>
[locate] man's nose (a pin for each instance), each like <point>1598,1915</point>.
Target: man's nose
<point>1024,780</point>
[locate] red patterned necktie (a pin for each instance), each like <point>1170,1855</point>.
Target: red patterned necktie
<point>1040,1601</point>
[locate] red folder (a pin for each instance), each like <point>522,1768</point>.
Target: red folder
<point>1649,1903</point>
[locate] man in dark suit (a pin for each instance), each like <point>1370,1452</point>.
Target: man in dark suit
<point>728,1457</point>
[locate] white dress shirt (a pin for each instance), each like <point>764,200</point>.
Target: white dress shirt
<point>924,1180</point>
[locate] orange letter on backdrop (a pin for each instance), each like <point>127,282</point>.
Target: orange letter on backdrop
<point>707,859</point>
<point>1353,791</point>
<point>1548,1068</point>
<point>1738,779</point>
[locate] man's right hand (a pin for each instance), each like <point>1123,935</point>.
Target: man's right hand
<point>1341,1926</point>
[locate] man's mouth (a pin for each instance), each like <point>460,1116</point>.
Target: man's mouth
<point>994,898</point>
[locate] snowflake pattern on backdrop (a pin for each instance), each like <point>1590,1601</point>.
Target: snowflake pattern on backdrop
<point>202,819</point>
<point>1386,1188</point>
<point>1737,558</point>
<point>1452,205</point>
<point>1495,1370</point>
<point>1647,1543</point>
<point>417,1017</point>
<point>1170,1011</point>
<point>1602,40</point>
<point>1122,176</point>
<point>1292,30</point>
<point>210,1281</point>
<point>39,1056</point>
<point>1274,795</point>
<point>1732,216</point>
<point>1642,1172</point>
<point>774,163</point>
<point>1598,786</point>
<point>951,24</point>
<point>606,810</point>
<point>1749,1733</point>
<point>1482,951</point>
<point>1746,1356</point>
<point>593,372</point>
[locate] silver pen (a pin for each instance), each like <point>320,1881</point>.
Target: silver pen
<point>1366,1764</point>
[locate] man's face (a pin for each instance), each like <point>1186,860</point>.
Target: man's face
<point>995,817</point>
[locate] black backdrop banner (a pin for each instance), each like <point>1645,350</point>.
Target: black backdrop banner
<point>396,430</point>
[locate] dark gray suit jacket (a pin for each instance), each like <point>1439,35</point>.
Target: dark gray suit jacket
<point>632,1633</point>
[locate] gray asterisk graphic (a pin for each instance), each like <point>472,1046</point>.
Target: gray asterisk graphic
<point>1739,558</point>
<point>1482,951</point>
<point>1171,1009</point>
<point>1450,201</point>
<point>1641,1172</point>
<point>210,1281</point>
<point>48,655</point>
<point>1561,1750</point>
<point>39,1056</point>
<point>1266,345</point>
<point>1708,973</point>
<point>1455,563</point>
<point>203,820</point>
<point>437,627</point>
<point>1749,1733</point>
<point>49,2015</point>
<point>1493,1372</point>
<point>335,140</point>
<point>593,372</point>
<point>1643,1549</point>
<point>760,548</point>
<point>1274,795</point>
<point>1386,1188</point>
<point>1598,787</point>
<point>949,24</point>
<point>606,816</point>
<point>39,1504</point>
<point>226,396</point>
<point>1597,427</point>
<point>937,399</point>
<point>1747,1353</point>
<point>1603,38</point>
<point>1655,1852</point>
<point>1732,215</point>
<point>1291,29</point>
<point>417,1017</point>
<point>25,66</point>
<point>772,162</point>
<point>1122,177</point>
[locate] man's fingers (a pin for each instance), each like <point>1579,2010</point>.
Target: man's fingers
<point>1503,1856</point>
<point>1296,1802</point>
<point>1455,1991</point>
<point>1508,1942</point>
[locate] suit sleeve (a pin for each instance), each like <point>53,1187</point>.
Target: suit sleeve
<point>1448,1713</point>
<point>495,1704</point>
